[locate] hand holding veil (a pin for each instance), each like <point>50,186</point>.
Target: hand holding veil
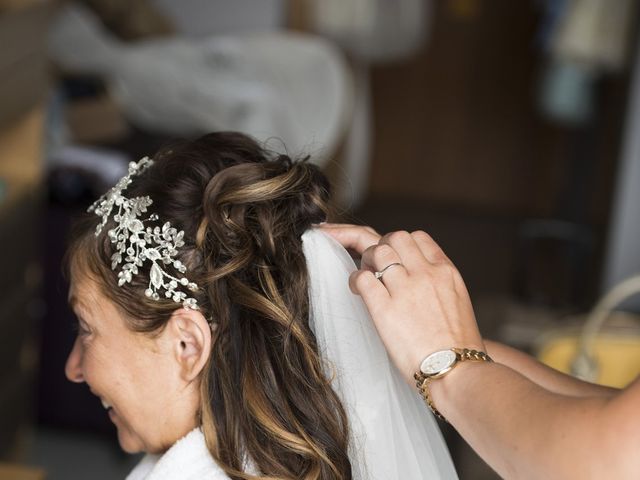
<point>393,435</point>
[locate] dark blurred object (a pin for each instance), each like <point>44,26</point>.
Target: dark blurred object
<point>20,304</point>
<point>554,266</point>
<point>77,175</point>
<point>131,20</point>
<point>69,188</point>
<point>62,403</point>
<point>81,87</point>
<point>23,63</point>
<point>558,258</point>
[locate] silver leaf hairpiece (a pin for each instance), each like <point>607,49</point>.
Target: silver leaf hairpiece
<point>136,243</point>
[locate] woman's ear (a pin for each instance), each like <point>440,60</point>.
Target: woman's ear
<point>190,336</point>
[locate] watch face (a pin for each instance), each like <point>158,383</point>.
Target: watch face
<point>438,361</point>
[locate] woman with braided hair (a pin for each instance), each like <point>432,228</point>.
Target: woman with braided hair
<point>217,327</point>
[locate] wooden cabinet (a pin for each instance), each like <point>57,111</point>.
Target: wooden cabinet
<point>20,277</point>
<point>24,66</point>
<point>16,472</point>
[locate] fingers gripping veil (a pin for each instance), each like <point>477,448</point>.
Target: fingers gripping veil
<point>393,437</point>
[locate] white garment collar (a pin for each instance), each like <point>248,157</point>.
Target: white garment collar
<point>187,459</point>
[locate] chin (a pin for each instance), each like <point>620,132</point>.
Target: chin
<point>130,443</point>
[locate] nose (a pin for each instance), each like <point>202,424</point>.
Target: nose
<point>73,368</point>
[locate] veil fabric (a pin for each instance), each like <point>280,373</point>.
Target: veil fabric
<point>393,434</point>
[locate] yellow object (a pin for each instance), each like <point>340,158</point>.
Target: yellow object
<point>617,355</point>
<point>606,349</point>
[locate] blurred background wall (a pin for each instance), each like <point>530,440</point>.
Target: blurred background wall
<point>507,130</point>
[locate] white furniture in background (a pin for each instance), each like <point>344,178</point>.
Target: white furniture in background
<point>623,249</point>
<point>370,31</point>
<point>288,86</point>
<point>233,67</point>
<point>201,18</point>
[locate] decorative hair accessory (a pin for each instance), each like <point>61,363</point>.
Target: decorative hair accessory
<point>137,243</point>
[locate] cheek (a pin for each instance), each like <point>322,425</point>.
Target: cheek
<point>98,368</point>
<point>146,417</point>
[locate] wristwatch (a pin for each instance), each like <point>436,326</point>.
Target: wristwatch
<point>438,364</point>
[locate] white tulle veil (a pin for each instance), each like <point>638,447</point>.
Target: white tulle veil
<point>393,435</point>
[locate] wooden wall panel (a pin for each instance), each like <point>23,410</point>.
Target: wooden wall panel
<point>458,123</point>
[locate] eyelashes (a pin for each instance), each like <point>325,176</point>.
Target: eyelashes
<point>79,329</point>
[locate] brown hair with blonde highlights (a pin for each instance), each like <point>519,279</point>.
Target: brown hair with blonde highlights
<point>243,209</point>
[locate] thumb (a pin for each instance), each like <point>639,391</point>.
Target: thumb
<point>373,292</point>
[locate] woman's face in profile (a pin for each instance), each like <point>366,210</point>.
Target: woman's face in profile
<point>134,375</point>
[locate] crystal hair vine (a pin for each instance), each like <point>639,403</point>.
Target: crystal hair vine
<point>136,243</point>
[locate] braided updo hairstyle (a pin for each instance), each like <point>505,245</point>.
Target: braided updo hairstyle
<point>243,209</point>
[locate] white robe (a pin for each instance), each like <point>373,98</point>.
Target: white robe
<point>187,459</point>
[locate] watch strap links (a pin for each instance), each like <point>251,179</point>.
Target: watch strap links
<point>423,381</point>
<point>423,387</point>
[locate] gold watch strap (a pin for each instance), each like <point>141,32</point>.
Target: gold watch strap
<point>423,381</point>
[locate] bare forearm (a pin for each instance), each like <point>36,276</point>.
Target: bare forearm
<point>543,375</point>
<point>520,429</point>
